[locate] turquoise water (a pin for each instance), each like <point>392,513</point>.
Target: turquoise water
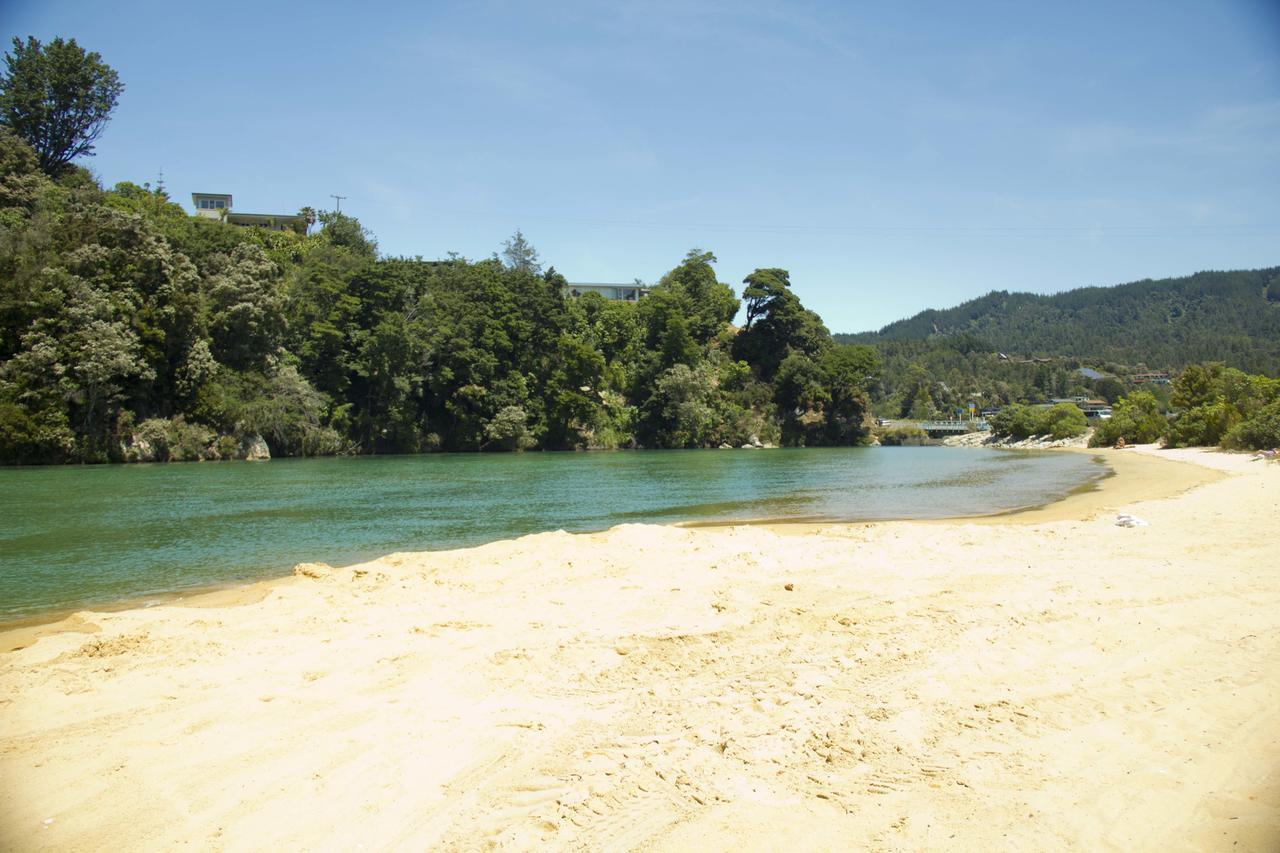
<point>76,536</point>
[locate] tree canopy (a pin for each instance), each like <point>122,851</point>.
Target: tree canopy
<point>1228,316</point>
<point>130,330</point>
<point>57,97</point>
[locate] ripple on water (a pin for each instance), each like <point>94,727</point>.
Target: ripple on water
<point>75,536</point>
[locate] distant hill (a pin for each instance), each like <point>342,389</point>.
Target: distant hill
<point>1210,316</point>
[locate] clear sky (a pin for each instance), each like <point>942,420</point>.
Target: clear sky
<point>893,156</point>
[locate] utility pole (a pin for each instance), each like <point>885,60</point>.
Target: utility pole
<point>339,199</point>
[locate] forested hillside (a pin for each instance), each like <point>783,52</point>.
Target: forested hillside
<point>1230,317</point>
<point>132,331</point>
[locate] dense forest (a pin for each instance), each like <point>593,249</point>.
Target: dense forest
<point>1019,347</point>
<point>1229,317</point>
<point>941,377</point>
<point>130,330</point>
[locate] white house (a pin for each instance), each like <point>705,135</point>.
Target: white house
<point>211,205</point>
<point>621,292</point>
<point>218,206</point>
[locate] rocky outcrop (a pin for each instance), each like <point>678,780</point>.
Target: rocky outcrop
<point>1035,442</point>
<point>137,450</point>
<point>151,445</point>
<point>315,571</point>
<point>254,449</point>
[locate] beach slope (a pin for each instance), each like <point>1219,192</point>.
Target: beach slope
<point>1003,684</point>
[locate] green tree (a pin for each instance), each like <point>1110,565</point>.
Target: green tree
<point>572,393</point>
<point>682,412</point>
<point>1260,432</point>
<point>777,324</point>
<point>509,429</point>
<point>1197,385</point>
<point>309,218</point>
<point>1013,421</point>
<point>1136,419</point>
<point>848,371</point>
<point>1065,420</point>
<point>518,254</point>
<point>916,394</point>
<point>284,409</point>
<point>245,307</point>
<point>58,97</point>
<point>21,180</point>
<point>338,229</point>
<point>708,305</point>
<point>801,395</point>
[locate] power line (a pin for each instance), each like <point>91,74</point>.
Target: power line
<point>339,199</point>
<point>857,228</point>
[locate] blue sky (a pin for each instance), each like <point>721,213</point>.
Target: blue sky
<point>893,157</point>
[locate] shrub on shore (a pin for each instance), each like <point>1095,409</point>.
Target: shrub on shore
<point>1225,407</point>
<point>1136,419</point>
<point>904,436</point>
<point>1219,407</point>
<point>170,440</point>
<point>1065,420</point>
<point>1260,432</point>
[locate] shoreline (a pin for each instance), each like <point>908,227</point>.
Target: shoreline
<point>22,630</point>
<point>1090,497</point>
<point>992,682</point>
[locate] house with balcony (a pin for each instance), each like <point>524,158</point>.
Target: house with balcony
<point>621,292</point>
<point>1093,409</point>
<point>218,206</point>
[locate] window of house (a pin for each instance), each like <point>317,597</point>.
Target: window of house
<point>219,204</point>
<point>204,204</point>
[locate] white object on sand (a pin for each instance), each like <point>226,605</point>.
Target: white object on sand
<point>1126,520</point>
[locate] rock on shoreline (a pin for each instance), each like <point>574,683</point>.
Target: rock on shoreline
<point>1035,442</point>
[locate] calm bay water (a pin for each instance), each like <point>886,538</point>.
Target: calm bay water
<point>74,536</point>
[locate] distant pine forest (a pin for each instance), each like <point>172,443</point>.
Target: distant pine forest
<point>132,331</point>
<point>1015,347</point>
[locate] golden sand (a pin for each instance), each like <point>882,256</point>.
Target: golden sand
<point>1036,682</point>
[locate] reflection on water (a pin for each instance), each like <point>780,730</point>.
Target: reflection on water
<point>77,535</point>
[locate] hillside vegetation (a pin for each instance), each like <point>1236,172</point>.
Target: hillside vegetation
<point>132,331</point>
<point>1229,317</point>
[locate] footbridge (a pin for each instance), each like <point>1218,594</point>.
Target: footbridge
<point>939,428</point>
<point>953,426</point>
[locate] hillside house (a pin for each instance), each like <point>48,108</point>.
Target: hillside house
<point>621,292</point>
<point>1093,409</point>
<point>218,206</point>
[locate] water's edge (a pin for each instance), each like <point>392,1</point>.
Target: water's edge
<point>195,594</point>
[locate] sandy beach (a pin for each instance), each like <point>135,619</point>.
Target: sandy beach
<point>1042,681</point>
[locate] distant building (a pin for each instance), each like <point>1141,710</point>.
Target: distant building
<point>1096,409</point>
<point>621,292</point>
<point>1154,377</point>
<point>211,205</point>
<point>1093,409</point>
<point>218,206</point>
<point>1090,373</point>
